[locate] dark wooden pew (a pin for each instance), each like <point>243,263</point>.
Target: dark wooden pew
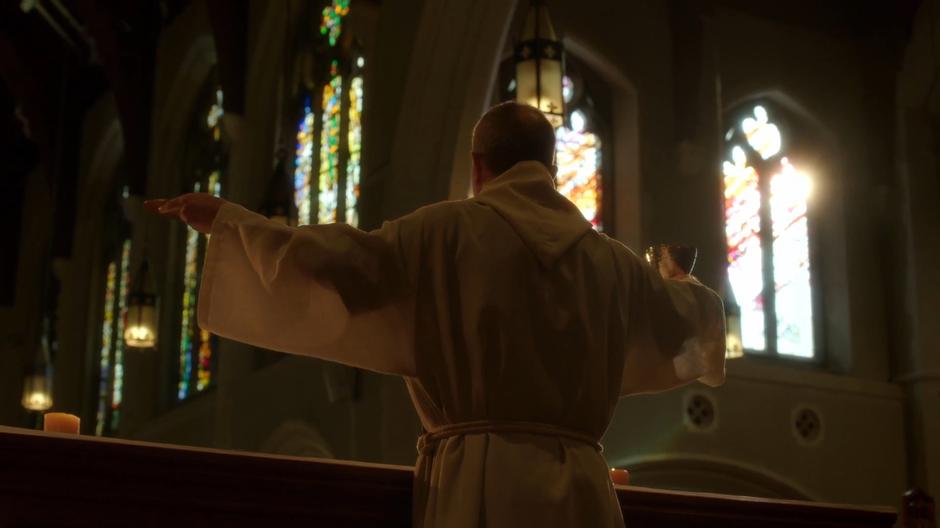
<point>61,480</point>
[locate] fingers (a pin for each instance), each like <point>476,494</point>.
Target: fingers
<point>154,205</point>
<point>174,204</point>
<point>168,208</point>
<point>195,209</point>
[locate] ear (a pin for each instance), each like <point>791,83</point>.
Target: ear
<point>477,172</point>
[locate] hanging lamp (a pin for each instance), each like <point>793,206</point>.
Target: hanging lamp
<point>539,60</point>
<point>140,330</point>
<point>37,386</point>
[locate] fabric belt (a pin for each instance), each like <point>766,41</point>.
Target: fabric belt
<point>427,443</point>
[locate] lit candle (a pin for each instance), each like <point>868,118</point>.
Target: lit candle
<point>621,477</point>
<point>56,422</point>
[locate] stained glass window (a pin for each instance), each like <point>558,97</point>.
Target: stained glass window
<point>789,190</point>
<point>742,229</point>
<point>578,157</point>
<point>197,346</point>
<point>327,158</point>
<point>303,169</point>
<point>111,351</point>
<point>355,146</point>
<point>767,232</point>
<point>329,147</point>
<point>190,287</point>
<point>117,391</point>
<point>104,357</point>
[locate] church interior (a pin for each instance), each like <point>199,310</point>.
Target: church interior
<point>795,144</point>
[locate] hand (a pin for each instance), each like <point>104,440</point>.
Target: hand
<point>196,209</point>
<point>669,269</point>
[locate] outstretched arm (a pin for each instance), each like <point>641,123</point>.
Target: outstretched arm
<point>327,291</point>
<point>675,328</point>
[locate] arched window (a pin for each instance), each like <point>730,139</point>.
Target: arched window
<point>113,317</point>
<point>329,132</point>
<point>206,157</point>
<point>766,196</point>
<point>578,147</point>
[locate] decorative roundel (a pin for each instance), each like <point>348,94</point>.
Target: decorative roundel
<point>807,425</point>
<point>700,412</point>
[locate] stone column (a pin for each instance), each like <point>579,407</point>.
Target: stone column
<point>251,140</point>
<point>918,332</point>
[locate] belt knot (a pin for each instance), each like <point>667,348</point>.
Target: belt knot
<point>427,442</point>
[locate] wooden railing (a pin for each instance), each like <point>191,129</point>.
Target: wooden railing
<point>59,480</point>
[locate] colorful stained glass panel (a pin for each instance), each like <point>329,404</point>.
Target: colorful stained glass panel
<point>762,135</point>
<point>789,192</point>
<point>188,328</point>
<point>117,392</point>
<point>105,357</point>
<point>354,138</point>
<point>331,24</point>
<point>328,193</point>
<point>303,167</point>
<point>745,258</point>
<point>578,156</point>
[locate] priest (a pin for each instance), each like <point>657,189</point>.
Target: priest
<point>515,325</point>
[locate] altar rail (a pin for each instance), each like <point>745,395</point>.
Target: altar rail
<point>59,480</point>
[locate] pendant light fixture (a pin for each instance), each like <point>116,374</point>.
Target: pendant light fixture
<point>539,60</point>
<point>140,330</point>
<point>37,385</point>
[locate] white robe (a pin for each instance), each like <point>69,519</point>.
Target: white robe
<point>505,307</point>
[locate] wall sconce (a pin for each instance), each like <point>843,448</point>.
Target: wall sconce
<point>539,58</point>
<point>140,330</point>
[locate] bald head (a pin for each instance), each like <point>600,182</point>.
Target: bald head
<point>511,132</point>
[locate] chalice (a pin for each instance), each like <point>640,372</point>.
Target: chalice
<point>672,261</point>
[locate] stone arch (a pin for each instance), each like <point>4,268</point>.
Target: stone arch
<point>175,115</point>
<point>712,474</point>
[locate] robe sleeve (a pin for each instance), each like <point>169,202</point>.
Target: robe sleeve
<point>675,329</point>
<point>327,291</point>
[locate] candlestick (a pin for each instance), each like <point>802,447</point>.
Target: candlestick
<point>56,422</point>
<point>621,477</point>
<point>670,260</point>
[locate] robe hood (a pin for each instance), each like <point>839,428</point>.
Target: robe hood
<point>547,222</point>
